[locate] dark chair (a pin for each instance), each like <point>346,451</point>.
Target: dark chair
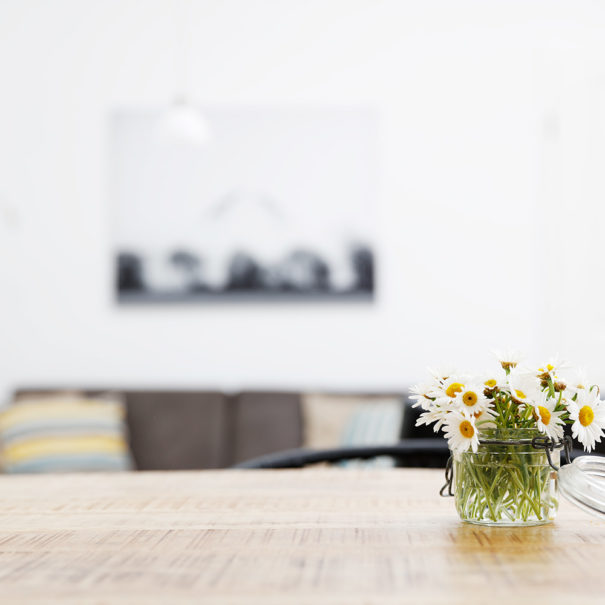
<point>405,453</point>
<point>435,457</point>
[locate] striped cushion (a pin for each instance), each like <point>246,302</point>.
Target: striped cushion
<point>63,434</point>
<point>377,423</point>
<point>347,420</point>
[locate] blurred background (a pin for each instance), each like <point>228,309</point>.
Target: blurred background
<point>474,189</point>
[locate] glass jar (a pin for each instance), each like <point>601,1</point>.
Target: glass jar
<point>507,483</point>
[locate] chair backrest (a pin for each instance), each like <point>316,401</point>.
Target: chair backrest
<point>406,453</point>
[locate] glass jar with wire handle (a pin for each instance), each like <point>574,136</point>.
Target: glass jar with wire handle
<point>511,480</point>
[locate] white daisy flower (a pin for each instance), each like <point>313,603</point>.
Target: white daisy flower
<point>437,414</point>
<point>576,381</point>
<point>493,381</point>
<point>447,392</point>
<point>588,414</point>
<point>490,383</point>
<point>547,420</point>
<point>471,399</point>
<point>554,366</point>
<point>461,432</point>
<point>524,386</point>
<point>442,373</point>
<point>422,395</point>
<point>508,359</point>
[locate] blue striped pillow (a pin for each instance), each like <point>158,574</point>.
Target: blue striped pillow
<point>376,423</point>
<point>64,434</point>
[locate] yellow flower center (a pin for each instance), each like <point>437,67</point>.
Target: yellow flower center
<point>469,398</point>
<point>520,394</point>
<point>492,382</point>
<point>550,367</point>
<point>454,388</point>
<point>466,428</point>
<point>579,386</point>
<point>586,415</point>
<point>544,414</point>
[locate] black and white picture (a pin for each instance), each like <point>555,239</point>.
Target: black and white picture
<point>277,203</point>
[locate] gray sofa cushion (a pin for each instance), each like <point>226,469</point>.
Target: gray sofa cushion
<point>174,430</point>
<point>265,422</point>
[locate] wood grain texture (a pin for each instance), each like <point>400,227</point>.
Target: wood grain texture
<point>280,537</point>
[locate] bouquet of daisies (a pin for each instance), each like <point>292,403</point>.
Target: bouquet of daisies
<point>515,397</point>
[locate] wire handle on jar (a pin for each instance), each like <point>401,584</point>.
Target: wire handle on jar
<point>548,445</point>
<point>449,478</point>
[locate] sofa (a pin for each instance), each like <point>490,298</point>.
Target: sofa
<point>202,429</point>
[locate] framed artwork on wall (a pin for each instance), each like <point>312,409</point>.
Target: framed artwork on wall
<point>276,204</point>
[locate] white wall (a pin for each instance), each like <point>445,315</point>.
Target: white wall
<point>493,138</point>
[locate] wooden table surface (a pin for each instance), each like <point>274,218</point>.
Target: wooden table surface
<point>280,537</point>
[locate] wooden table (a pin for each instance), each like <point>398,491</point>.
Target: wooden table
<point>280,537</point>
